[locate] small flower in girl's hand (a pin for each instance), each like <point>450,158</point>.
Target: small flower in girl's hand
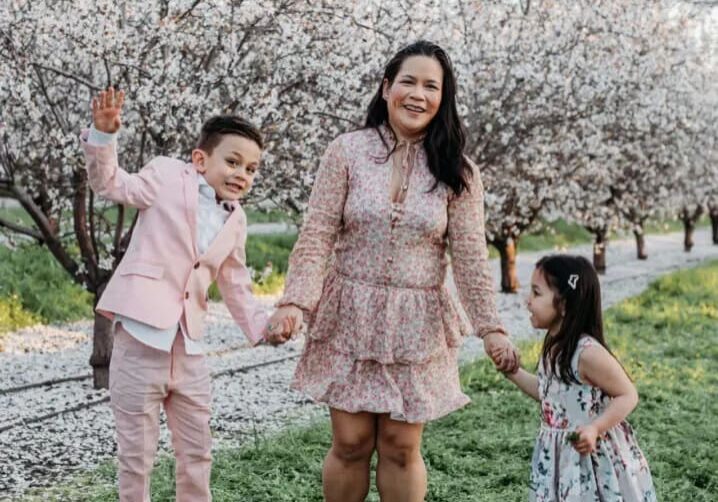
<point>584,439</point>
<point>572,437</point>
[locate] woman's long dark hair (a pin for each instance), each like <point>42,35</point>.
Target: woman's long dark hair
<point>445,135</point>
<point>577,292</point>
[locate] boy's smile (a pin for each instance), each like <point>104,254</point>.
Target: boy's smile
<point>231,167</point>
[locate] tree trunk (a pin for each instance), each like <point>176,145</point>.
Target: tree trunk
<point>509,278</point>
<point>101,351</point>
<point>640,245</point>
<point>689,227</point>
<point>101,345</point>
<point>714,223</point>
<point>599,251</point>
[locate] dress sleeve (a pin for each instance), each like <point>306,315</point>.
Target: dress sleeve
<point>470,258</point>
<point>322,222</point>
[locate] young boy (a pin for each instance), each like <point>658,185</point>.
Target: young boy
<point>190,231</point>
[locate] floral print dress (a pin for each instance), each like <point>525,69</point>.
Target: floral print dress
<point>616,472</point>
<point>383,331</point>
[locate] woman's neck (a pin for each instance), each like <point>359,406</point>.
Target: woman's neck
<point>404,136</point>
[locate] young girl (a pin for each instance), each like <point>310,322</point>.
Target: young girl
<point>585,450</point>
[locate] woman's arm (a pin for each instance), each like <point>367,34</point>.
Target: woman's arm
<point>471,271</point>
<point>322,222</point>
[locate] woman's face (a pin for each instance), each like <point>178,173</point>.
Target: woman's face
<point>413,98</point>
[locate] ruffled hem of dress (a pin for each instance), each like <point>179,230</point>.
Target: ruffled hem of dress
<point>386,324</point>
<point>413,393</point>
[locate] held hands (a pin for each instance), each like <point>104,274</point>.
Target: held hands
<point>502,352</point>
<point>284,324</point>
<point>107,109</point>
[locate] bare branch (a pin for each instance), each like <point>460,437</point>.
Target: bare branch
<point>19,229</point>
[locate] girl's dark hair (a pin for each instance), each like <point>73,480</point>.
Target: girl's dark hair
<point>445,135</point>
<point>582,307</point>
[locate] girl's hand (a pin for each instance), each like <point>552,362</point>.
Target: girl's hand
<point>502,352</point>
<point>107,109</point>
<point>501,355</point>
<point>584,439</point>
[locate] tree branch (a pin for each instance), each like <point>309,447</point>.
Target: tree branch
<point>19,229</point>
<point>77,79</point>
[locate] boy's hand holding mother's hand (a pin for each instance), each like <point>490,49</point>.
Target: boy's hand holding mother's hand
<point>284,324</point>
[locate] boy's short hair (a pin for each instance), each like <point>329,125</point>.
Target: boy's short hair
<point>220,125</point>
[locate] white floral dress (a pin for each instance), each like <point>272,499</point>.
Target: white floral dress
<point>383,330</point>
<point>616,472</point>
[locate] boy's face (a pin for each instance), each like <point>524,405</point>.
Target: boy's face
<point>231,167</point>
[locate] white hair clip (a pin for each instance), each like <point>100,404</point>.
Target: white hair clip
<point>572,280</point>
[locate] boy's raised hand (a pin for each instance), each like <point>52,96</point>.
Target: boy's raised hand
<point>107,109</point>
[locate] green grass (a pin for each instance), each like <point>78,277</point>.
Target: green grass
<point>555,234</point>
<point>42,288</point>
<point>667,338</point>
<point>270,248</point>
<point>271,216</point>
<point>262,250</point>
<point>13,316</point>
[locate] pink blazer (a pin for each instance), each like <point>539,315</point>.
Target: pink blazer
<point>162,275</point>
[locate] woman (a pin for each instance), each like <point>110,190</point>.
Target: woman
<point>368,272</point>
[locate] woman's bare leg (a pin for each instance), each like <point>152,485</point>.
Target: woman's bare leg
<point>401,473</point>
<point>346,467</point>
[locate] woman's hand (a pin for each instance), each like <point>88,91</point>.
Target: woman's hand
<point>284,324</point>
<point>502,352</point>
<point>585,439</point>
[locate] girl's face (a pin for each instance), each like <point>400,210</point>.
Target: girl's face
<point>413,98</point>
<point>540,304</point>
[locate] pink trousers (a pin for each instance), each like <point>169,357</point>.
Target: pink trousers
<point>141,379</point>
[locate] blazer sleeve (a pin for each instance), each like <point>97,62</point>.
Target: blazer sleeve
<point>469,258</point>
<point>322,223</point>
<point>235,284</point>
<point>110,181</point>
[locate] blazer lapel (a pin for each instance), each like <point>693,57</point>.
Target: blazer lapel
<point>228,230</point>
<point>191,197</point>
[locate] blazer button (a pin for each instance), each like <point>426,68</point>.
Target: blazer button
<point>196,265</point>
<point>186,295</point>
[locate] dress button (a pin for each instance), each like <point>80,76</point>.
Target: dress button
<point>390,259</point>
<point>196,265</point>
<point>186,295</point>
